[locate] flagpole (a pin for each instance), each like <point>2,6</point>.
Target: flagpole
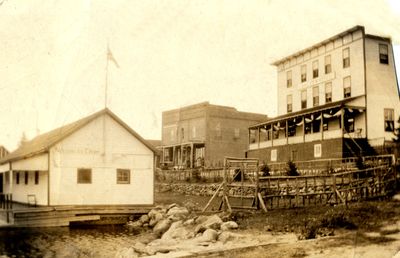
<point>106,79</point>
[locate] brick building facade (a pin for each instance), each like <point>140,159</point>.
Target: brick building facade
<point>203,134</point>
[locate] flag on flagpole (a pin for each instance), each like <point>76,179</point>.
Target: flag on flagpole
<point>111,58</point>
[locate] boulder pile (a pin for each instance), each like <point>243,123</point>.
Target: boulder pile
<point>174,228</point>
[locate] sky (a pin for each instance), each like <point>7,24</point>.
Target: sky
<point>169,53</point>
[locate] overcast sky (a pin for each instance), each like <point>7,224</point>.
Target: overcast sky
<point>170,54</point>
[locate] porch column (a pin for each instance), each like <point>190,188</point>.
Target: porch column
<point>191,155</point>
<point>272,135</point>
<point>11,181</point>
<point>342,120</point>
<point>287,131</point>
<point>173,156</point>
<point>304,128</point>
<point>322,126</point>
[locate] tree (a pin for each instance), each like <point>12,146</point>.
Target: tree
<point>397,132</point>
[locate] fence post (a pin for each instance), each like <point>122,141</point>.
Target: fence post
<point>334,188</point>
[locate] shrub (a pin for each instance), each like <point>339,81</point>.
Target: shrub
<point>265,170</point>
<point>291,169</point>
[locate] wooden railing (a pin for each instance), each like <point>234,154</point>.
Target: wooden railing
<point>210,174</point>
<point>329,166</point>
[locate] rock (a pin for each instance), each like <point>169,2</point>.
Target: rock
<point>161,227</point>
<point>212,222</point>
<point>140,247</point>
<point>147,238</point>
<point>144,218</point>
<point>176,217</point>
<point>172,206</point>
<point>188,222</point>
<point>126,253</point>
<point>177,231</point>
<point>225,237</point>
<point>134,224</point>
<point>396,197</point>
<point>229,225</point>
<point>210,235</point>
<point>155,218</point>
<point>161,246</point>
<point>178,211</point>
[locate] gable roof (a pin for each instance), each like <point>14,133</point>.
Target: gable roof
<point>42,143</point>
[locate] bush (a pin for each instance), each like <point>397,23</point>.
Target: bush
<point>265,170</point>
<point>291,169</point>
<point>337,218</point>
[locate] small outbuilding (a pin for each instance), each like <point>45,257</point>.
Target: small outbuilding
<point>97,160</point>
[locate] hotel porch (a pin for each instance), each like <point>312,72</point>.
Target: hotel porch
<point>335,121</point>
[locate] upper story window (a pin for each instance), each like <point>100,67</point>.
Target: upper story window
<point>328,65</point>
<point>346,57</point>
<point>252,135</point>
<point>315,96</point>
<point>194,132</point>
<point>303,99</point>
<point>389,119</point>
<point>347,87</point>
<point>328,92</point>
<point>237,133</point>
<point>172,134</point>
<point>289,79</point>
<point>289,101</point>
<point>383,54</point>
<point>218,133</point>
<point>303,73</point>
<point>315,69</point>
<point>84,176</point>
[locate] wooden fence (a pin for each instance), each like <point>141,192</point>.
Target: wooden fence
<point>329,166</point>
<point>270,192</point>
<point>300,191</point>
<point>198,175</point>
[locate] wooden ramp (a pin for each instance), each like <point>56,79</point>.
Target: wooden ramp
<point>66,215</point>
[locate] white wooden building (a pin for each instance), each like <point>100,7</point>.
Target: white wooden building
<point>98,160</point>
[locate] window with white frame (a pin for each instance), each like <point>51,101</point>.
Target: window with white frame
<point>315,96</point>
<point>389,119</point>
<point>289,106</point>
<point>383,54</point>
<point>347,87</point>
<point>328,65</point>
<point>289,79</point>
<point>328,92</point>
<point>346,57</point>
<point>274,155</point>
<point>303,73</point>
<point>315,68</point>
<point>303,99</point>
<point>317,150</point>
<point>123,176</point>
